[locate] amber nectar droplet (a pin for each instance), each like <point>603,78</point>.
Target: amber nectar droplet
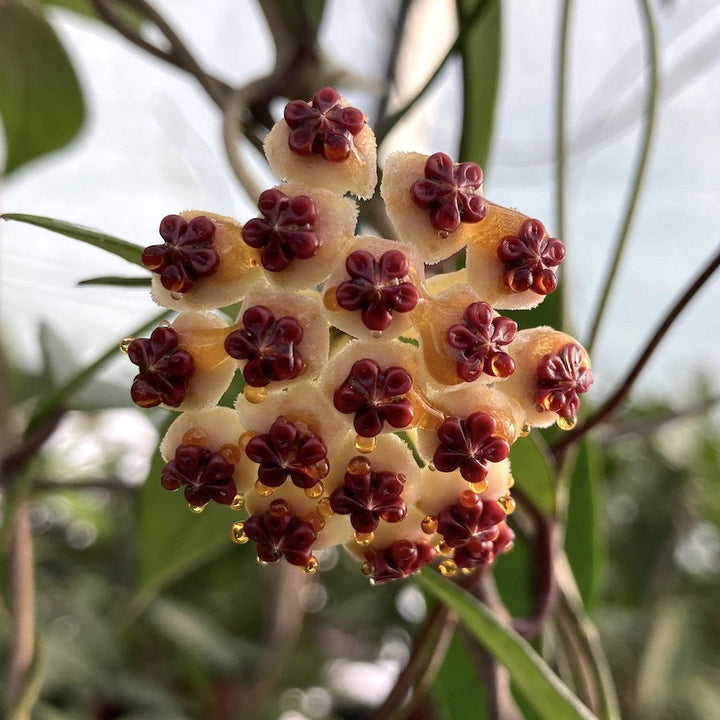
<point>324,508</point>
<point>566,423</point>
<point>238,502</point>
<point>195,436</point>
<point>125,344</point>
<point>448,568</point>
<point>238,534</point>
<point>507,503</point>
<point>254,395</point>
<point>315,491</point>
<point>263,490</point>
<point>365,445</point>
<point>364,538</point>
<point>468,498</point>
<point>330,300</point>
<point>197,509</point>
<point>429,524</point>
<point>479,487</point>
<point>312,565</point>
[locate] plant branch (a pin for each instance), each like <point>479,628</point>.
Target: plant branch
<point>640,170</point>
<point>178,53</point>
<point>561,119</point>
<point>616,399</point>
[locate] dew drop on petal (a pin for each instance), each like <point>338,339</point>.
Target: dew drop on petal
<point>507,503</point>
<point>125,344</point>
<point>524,430</point>
<point>359,466</point>
<point>244,439</point>
<point>566,423</point>
<point>238,502</point>
<point>479,487</point>
<point>230,454</point>
<point>324,508</point>
<point>429,524</point>
<point>238,534</point>
<point>263,490</point>
<point>197,509</point>
<point>311,566</point>
<point>315,491</point>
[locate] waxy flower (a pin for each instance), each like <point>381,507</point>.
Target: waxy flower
<point>561,377</point>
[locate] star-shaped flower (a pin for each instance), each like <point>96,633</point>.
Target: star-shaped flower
<point>369,497</point>
<point>376,397</point>
<point>478,340</point>
<point>165,370</point>
<point>450,192</point>
<point>204,474</point>
<point>529,259</point>
<point>186,256</point>
<point>377,287</point>
<point>288,449</point>
<point>278,533</point>
<point>401,559</point>
<point>323,127</point>
<point>285,231</point>
<point>469,445</point>
<point>561,378</point>
<point>269,346</point>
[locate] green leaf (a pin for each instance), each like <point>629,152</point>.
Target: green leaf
<point>81,7</point>
<point>174,541</point>
<point>456,687</point>
<point>122,248</point>
<point>582,535</point>
<point>532,676</point>
<point>41,102</point>
<point>531,462</point>
<point>480,48</point>
<point>116,281</point>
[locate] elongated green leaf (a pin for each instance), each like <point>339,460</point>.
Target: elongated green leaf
<point>41,101</point>
<point>530,461</point>
<point>480,51</point>
<point>122,248</point>
<point>532,676</point>
<point>116,281</point>
<point>582,535</point>
<point>456,688</point>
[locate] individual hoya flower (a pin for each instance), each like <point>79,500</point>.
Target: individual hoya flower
<point>376,290</point>
<point>530,259</point>
<point>397,561</point>
<point>203,474</point>
<point>433,202</point>
<point>164,369</point>
<point>469,444</point>
<point>375,396</point>
<point>285,232</point>
<point>269,344</point>
<point>186,256</point>
<point>450,192</point>
<point>552,370</point>
<point>478,340</point>
<point>288,449</point>
<point>278,533</point>
<point>203,263</point>
<point>562,376</point>
<point>325,126</point>
<point>326,143</point>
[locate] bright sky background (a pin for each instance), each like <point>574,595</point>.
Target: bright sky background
<point>152,146</point>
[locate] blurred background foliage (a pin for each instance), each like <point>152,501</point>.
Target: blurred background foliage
<point>118,603</point>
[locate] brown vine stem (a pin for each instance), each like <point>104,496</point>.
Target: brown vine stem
<point>616,399</point>
<point>178,53</point>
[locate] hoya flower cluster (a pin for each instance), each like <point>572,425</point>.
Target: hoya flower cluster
<point>380,404</point>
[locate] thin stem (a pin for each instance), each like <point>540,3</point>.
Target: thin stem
<point>465,26</point>
<point>640,173</point>
<point>178,55</point>
<point>561,119</point>
<point>616,399</point>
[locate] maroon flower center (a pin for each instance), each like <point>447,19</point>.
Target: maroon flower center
<point>561,378</point>
<point>377,287</point>
<point>187,254</point>
<point>165,370</point>
<point>469,445</point>
<point>401,559</point>
<point>376,397</point>
<point>278,532</point>
<point>529,259</point>
<point>323,127</point>
<point>288,449</point>
<point>478,340</point>
<point>284,232</point>
<point>269,346</point>
<point>204,474</point>
<point>471,531</point>
<point>369,497</point>
<point>450,192</point>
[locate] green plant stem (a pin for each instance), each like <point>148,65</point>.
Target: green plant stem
<point>640,172</point>
<point>616,399</point>
<point>561,119</point>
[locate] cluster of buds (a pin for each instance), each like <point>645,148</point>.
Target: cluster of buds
<point>379,405</point>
